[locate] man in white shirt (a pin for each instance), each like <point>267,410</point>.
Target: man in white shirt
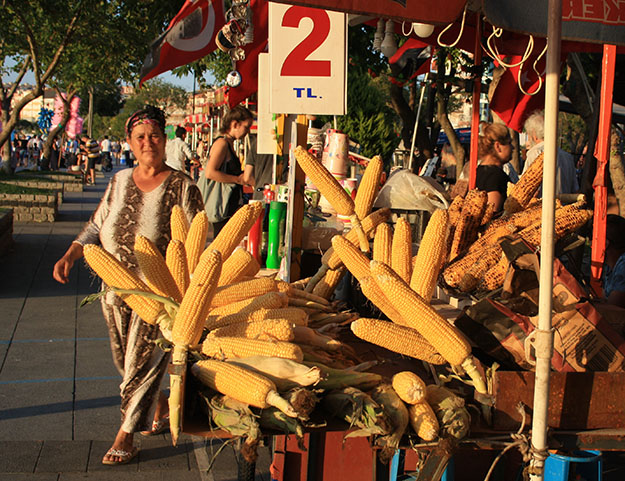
<point>566,176</point>
<point>177,151</point>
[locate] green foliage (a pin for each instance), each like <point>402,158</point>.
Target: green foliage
<point>572,132</point>
<point>374,132</point>
<point>154,92</point>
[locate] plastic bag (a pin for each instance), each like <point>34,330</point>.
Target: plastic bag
<point>407,191</point>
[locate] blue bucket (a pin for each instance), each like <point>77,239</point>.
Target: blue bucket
<point>586,464</point>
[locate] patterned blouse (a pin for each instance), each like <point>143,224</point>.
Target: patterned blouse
<point>125,211</point>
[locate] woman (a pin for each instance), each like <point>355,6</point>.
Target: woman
<point>136,201</point>
<point>223,163</point>
<point>494,151</point>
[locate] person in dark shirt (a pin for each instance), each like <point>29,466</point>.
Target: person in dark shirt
<point>495,150</point>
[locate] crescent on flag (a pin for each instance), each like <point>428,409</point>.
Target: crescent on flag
<point>189,35</point>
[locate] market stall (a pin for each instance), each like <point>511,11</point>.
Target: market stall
<point>357,378</point>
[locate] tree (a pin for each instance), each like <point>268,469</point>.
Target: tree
<point>36,36</point>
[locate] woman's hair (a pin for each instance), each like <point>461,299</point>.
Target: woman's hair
<point>147,115</point>
<point>492,133</point>
<point>236,114</point>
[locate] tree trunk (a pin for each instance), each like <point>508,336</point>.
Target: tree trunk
<point>53,134</point>
<point>443,118</point>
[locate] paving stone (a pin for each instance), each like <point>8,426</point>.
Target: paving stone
<point>19,456</point>
<point>29,477</point>
<point>63,456</point>
<point>39,411</point>
<point>96,414</point>
<point>94,359</point>
<point>43,359</point>
<point>157,453</point>
<point>138,476</point>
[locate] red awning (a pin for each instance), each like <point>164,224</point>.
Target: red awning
<point>197,119</point>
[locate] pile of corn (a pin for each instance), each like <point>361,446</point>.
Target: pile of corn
<point>475,259</point>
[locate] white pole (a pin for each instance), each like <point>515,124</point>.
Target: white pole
<point>544,337</point>
<point>416,126</point>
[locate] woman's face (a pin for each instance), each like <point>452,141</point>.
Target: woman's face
<point>504,151</point>
<point>240,129</point>
<point>148,144</point>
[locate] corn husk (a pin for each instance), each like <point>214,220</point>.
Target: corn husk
<point>453,417</point>
<point>397,414</point>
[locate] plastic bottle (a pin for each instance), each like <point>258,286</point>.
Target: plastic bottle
<point>255,235</point>
<point>277,217</point>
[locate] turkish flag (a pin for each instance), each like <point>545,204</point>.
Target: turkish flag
<point>509,102</point>
<point>190,36</point>
<point>248,68</point>
<point>413,58</point>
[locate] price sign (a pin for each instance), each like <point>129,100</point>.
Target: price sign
<point>307,48</point>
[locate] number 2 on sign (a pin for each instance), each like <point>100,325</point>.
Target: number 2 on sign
<point>296,63</point>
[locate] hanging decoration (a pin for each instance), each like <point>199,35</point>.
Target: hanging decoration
<point>238,31</point>
<point>45,119</point>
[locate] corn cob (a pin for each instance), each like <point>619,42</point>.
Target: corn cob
<point>372,291</point>
<point>444,337</point>
<point>356,262</point>
<point>401,254</point>
<point>454,272</point>
<point>228,347</point>
<point>495,276</point>
<point>454,210</point>
<point>430,256</point>
<point>243,290</point>
<point>567,219</point>
<point>114,274</point>
<point>267,330</point>
<point>194,308</point>
<point>154,268</point>
<point>409,387</point>
<point>294,315</point>
<point>492,236</point>
<point>382,243</point>
<point>466,229</point>
<point>300,294</point>
<point>325,288</point>
<point>237,228</point>
<point>401,339</point>
<point>330,260</point>
<point>368,187</point>
<point>196,240</point>
<point>270,300</point>
<point>176,260</point>
<point>526,187</point>
<point>423,421</point>
<point>241,384</point>
<point>488,258</point>
<point>187,330</point>
<point>179,224</point>
<point>332,191</point>
<point>453,417</point>
<point>489,213</point>
<point>239,264</point>
<point>397,413</point>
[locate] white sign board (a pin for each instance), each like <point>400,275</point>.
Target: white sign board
<point>266,142</point>
<point>307,48</point>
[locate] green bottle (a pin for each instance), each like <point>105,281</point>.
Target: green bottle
<point>277,219</point>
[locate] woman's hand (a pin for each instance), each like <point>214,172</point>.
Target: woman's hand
<point>64,265</point>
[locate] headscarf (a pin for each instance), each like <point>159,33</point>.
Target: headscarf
<point>147,115</point>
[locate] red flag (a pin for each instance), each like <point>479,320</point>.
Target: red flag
<point>412,58</point>
<point>190,36</point>
<point>248,68</point>
<point>509,102</point>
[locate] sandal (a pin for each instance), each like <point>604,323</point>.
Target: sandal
<point>158,427</point>
<point>126,456</point>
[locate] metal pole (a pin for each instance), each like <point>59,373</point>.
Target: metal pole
<point>416,124</point>
<point>475,114</point>
<point>193,138</point>
<point>544,333</point>
<point>599,184</point>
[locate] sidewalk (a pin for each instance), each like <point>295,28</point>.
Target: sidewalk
<point>59,402</point>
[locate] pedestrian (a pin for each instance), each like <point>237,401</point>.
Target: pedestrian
<point>178,153</point>
<point>224,167</point>
<point>90,150</point>
<point>137,201</point>
<point>494,151</point>
<point>126,154</point>
<point>105,149</point>
<point>566,173</point>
